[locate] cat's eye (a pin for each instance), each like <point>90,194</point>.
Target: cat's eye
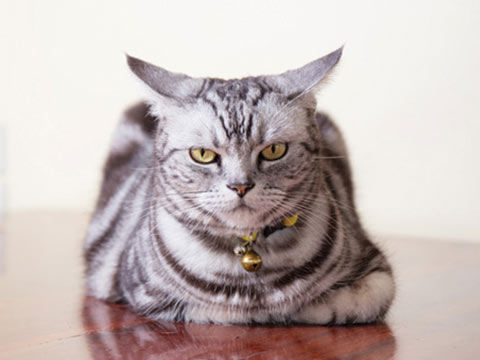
<point>274,152</point>
<point>203,156</point>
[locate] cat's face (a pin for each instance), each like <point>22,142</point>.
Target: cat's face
<point>247,162</point>
<point>235,156</point>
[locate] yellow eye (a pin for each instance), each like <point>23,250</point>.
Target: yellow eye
<point>203,156</point>
<point>274,151</point>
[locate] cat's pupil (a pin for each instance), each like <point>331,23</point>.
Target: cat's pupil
<point>273,149</point>
<point>202,152</point>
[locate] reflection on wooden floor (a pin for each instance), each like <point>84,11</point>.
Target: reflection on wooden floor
<point>115,332</point>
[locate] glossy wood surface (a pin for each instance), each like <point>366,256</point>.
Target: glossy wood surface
<point>45,315</point>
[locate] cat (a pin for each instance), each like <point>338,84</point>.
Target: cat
<point>231,202</point>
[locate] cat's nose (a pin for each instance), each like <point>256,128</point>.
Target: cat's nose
<point>241,189</point>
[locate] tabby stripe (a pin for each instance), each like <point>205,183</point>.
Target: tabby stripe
<point>222,120</point>
<point>172,209</point>
<point>114,165</point>
<point>102,239</point>
<point>174,306</point>
<point>359,271</point>
<point>321,279</point>
<point>312,131</point>
<point>330,186</point>
<point>112,265</point>
<point>320,256</point>
<point>186,200</point>
<point>212,104</point>
<point>248,132</point>
<point>94,248</point>
<point>149,122</point>
<point>109,213</point>
<point>366,260</point>
<point>214,243</point>
<point>143,218</point>
<point>263,90</point>
<point>188,221</point>
<point>204,83</point>
<point>162,278</point>
<point>166,156</point>
<point>199,283</point>
<point>333,319</point>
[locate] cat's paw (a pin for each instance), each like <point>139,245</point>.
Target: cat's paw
<point>366,300</point>
<point>319,313</point>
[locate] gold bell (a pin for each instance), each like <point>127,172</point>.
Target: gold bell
<point>251,261</point>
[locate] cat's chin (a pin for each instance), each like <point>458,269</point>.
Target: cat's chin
<point>243,220</point>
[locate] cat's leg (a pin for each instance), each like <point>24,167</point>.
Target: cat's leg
<point>366,300</point>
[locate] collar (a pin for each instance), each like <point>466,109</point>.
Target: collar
<point>251,261</point>
<point>269,230</point>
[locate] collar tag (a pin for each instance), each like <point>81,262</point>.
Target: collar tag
<point>290,221</point>
<point>251,237</point>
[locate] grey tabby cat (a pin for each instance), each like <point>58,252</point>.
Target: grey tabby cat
<point>206,162</point>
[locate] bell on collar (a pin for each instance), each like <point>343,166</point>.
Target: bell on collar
<point>251,261</point>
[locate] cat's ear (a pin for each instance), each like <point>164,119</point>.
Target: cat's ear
<point>163,84</point>
<point>294,83</point>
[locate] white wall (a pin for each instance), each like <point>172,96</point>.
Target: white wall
<point>406,93</point>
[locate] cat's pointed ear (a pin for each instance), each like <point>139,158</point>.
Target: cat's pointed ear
<point>163,83</point>
<point>294,83</point>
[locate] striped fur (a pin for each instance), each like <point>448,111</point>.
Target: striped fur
<point>162,235</point>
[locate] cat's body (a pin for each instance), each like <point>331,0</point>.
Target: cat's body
<point>163,233</point>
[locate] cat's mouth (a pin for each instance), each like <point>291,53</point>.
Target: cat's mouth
<point>242,217</point>
<point>242,206</point>
<point>247,215</point>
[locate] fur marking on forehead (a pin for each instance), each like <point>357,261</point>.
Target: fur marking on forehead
<point>234,103</point>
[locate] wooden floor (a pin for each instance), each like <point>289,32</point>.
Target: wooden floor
<point>45,315</point>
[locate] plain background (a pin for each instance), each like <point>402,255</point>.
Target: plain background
<point>406,93</point>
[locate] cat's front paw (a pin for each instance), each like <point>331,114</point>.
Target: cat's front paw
<point>366,300</point>
<point>320,314</point>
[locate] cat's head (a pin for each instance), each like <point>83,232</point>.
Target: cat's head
<point>234,156</point>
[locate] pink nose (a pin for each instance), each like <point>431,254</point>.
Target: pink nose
<point>241,189</point>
